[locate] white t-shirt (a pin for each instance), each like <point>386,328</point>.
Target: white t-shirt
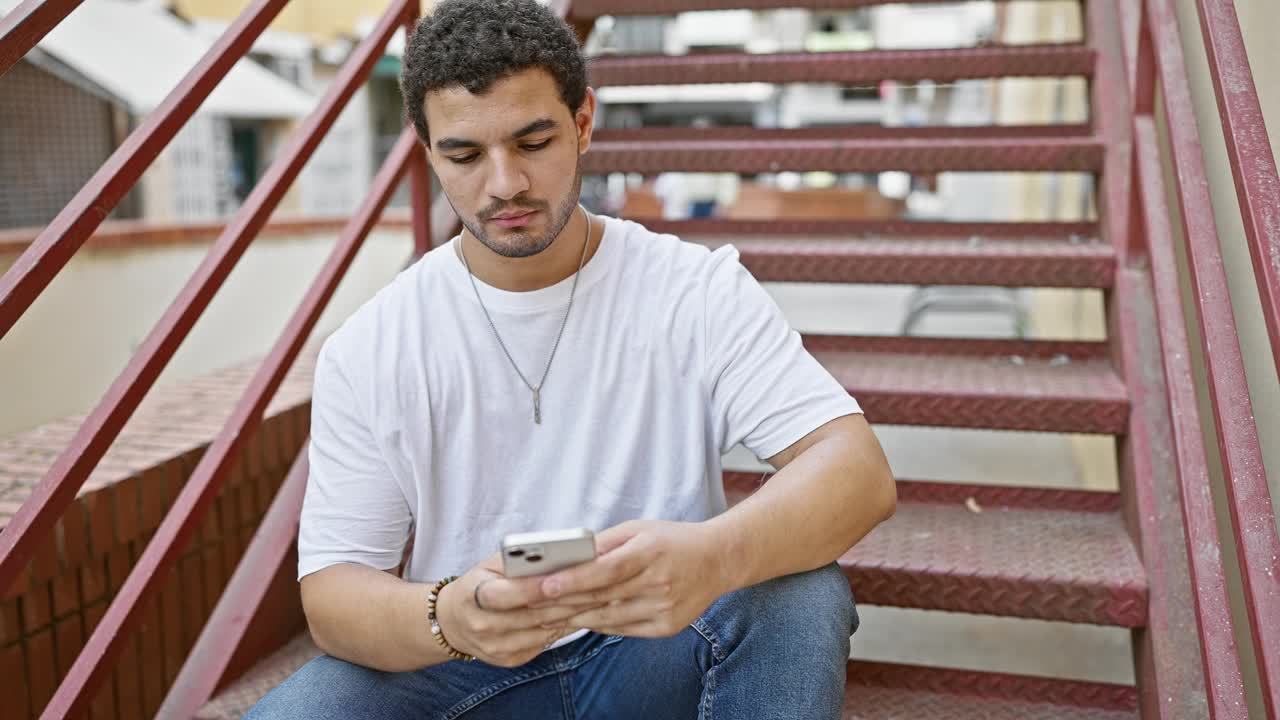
<point>673,354</point>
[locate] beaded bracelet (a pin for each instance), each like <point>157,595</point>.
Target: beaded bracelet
<point>435,624</point>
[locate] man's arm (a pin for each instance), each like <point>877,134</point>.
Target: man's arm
<point>375,619</point>
<point>833,486</point>
<point>653,577</point>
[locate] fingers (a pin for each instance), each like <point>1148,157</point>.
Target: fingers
<point>634,587</point>
<point>613,568</point>
<point>621,613</point>
<point>499,593</point>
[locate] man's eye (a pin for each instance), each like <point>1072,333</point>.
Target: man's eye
<point>463,159</point>
<point>537,146</point>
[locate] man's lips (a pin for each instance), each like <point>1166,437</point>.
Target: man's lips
<point>510,221</point>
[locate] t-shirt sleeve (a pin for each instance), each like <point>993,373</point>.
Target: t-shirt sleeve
<point>766,390</point>
<point>353,510</point>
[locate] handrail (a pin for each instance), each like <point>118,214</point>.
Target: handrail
<point>1249,499</point>
<point>35,519</point>
<point>205,664</point>
<point>94,663</point>
<point>23,27</point>
<point>1219,652</point>
<point>35,269</point>
<point>1253,164</point>
<point>222,633</point>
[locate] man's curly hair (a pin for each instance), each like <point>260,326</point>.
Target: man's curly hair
<point>474,43</point>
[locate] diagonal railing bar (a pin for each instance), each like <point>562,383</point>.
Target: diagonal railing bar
<point>35,519</point>
<point>1219,653</point>
<point>1248,496</point>
<point>94,663</point>
<point>208,659</point>
<point>218,641</point>
<point>23,27</point>
<point>53,248</point>
<point>1253,164</point>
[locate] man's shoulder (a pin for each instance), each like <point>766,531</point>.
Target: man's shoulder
<point>673,255</point>
<point>381,318</point>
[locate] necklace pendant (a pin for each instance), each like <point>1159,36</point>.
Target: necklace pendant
<point>537,407</point>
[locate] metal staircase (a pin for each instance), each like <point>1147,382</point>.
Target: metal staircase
<point>1104,558</point>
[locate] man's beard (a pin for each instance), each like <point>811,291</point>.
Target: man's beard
<point>520,245</point>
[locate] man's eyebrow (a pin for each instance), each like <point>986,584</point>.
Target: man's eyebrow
<point>446,144</point>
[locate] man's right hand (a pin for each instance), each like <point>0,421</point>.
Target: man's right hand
<point>506,632</point>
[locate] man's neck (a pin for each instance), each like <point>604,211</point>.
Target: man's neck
<point>559,261</point>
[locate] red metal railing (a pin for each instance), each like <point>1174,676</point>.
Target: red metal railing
<point>23,27</point>
<point>1253,165</point>
<point>35,519</point>
<point>36,268</point>
<point>1160,60</point>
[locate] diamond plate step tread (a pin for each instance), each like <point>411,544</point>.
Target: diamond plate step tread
<point>1074,232</point>
<point>589,9</point>
<point>925,261</point>
<point>781,150</point>
<point>885,691</point>
<point>845,132</point>
<point>873,691</point>
<point>864,66</point>
<point>1010,551</point>
<point>993,384</point>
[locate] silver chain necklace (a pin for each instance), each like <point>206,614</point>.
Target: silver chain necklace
<point>535,389</point>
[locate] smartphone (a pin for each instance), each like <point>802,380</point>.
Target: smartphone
<point>539,553</point>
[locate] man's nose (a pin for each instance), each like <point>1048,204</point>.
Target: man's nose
<point>507,178</point>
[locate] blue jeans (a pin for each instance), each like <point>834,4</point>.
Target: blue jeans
<point>773,650</point>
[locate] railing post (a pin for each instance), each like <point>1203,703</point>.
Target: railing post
<point>419,172</point>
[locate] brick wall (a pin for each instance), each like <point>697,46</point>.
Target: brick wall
<point>46,617</point>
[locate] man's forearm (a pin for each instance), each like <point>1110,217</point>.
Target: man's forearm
<point>813,510</point>
<point>370,618</point>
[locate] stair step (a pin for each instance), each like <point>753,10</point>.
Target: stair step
<point>864,66</point>
<point>881,691</point>
<point>873,691</point>
<point>590,9</point>
<point>993,384</point>
<point>1074,232</point>
<point>1037,553</point>
<point>925,261</point>
<point>844,132</point>
<point>775,150</point>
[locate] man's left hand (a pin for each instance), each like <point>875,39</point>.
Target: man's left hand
<point>651,578</point>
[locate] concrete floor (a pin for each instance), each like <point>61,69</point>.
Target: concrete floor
<point>953,639</point>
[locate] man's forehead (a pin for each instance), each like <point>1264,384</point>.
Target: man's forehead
<point>503,107</point>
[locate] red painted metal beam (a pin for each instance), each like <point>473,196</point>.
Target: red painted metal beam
<point>419,174</point>
<point>587,9</point>
<point>206,663</point>
<point>844,155</point>
<point>1063,231</point>
<point>867,66</point>
<point>208,660</point>
<point>23,27</point>
<point>1204,553</point>
<point>189,508</point>
<point>924,261</point>
<point>843,132</point>
<point>36,517</point>
<point>35,269</point>
<point>1249,498</point>
<point>1253,165</point>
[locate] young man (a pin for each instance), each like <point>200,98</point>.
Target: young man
<point>550,369</point>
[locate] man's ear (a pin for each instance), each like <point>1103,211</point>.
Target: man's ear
<point>585,119</point>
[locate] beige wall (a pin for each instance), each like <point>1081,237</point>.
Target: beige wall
<point>64,353</point>
<point>320,19</point>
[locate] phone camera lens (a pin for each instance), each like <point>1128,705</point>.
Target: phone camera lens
<point>534,558</point>
<point>515,553</point>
